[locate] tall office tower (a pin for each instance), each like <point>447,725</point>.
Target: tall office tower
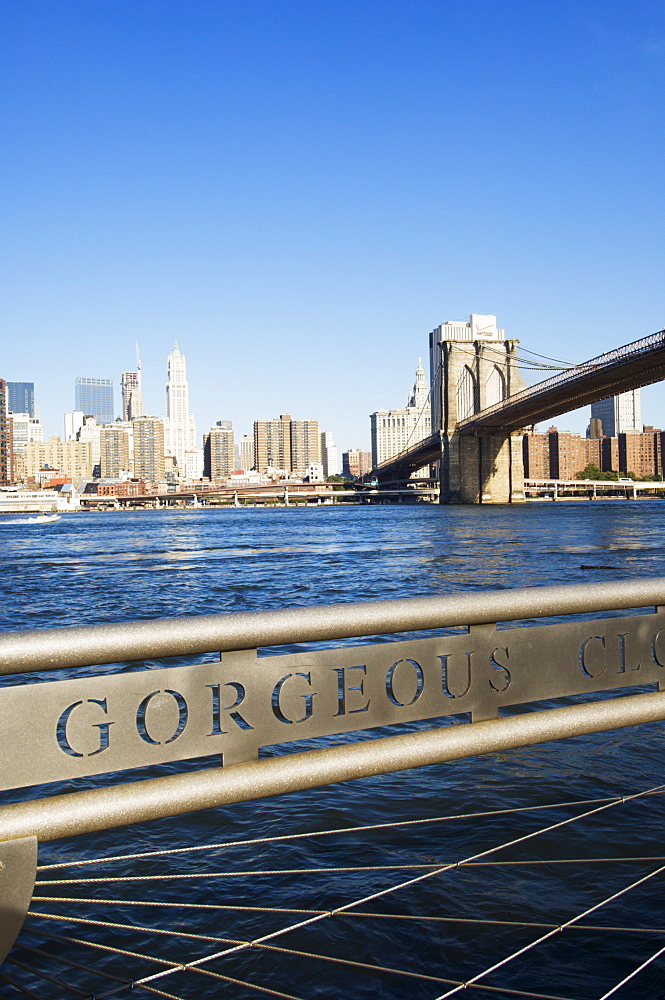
<point>179,428</point>
<point>132,396</point>
<point>329,454</point>
<point>5,438</point>
<point>114,451</point>
<point>305,445</point>
<point>272,443</point>
<point>95,396</point>
<point>148,449</point>
<point>399,428</point>
<point>619,414</point>
<point>21,397</point>
<point>246,452</point>
<point>218,456</point>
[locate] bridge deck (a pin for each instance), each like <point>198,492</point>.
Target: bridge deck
<point>639,363</point>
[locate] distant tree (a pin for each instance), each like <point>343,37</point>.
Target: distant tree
<point>339,482</point>
<point>590,471</point>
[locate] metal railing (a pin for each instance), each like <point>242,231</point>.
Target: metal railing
<point>68,728</point>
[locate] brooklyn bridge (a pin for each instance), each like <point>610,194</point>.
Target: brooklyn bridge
<point>481,408</point>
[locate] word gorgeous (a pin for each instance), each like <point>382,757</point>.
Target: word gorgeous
<point>232,707</point>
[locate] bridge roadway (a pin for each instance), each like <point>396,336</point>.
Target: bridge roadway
<point>639,363</point>
<point>282,494</point>
<point>557,488</point>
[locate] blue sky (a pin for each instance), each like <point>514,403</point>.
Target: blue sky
<point>299,191</point>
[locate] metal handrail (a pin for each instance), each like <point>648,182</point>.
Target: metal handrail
<point>53,649</point>
<point>123,804</point>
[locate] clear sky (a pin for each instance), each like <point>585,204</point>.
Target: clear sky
<point>300,190</point>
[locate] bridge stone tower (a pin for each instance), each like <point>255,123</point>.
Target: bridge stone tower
<point>473,366</point>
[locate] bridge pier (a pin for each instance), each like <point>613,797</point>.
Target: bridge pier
<point>484,468</point>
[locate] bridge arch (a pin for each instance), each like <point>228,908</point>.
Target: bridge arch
<point>495,386</point>
<point>466,394</point>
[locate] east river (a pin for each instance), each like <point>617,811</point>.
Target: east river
<point>91,568</point>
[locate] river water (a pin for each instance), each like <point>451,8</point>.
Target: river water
<point>92,568</point>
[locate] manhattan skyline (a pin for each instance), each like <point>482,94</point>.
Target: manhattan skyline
<point>299,192</point>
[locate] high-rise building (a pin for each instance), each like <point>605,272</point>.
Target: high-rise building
<point>5,438</point>
<point>24,429</point>
<point>148,449</point>
<point>95,396</point>
<point>21,397</point>
<point>286,444</point>
<point>114,451</point>
<point>620,414</point>
<point>397,429</point>
<point>218,452</point>
<point>89,430</point>
<point>329,455</point>
<point>132,396</point>
<point>272,443</point>
<point>305,445</point>
<point>72,458</point>
<point>179,428</point>
<point>246,452</point>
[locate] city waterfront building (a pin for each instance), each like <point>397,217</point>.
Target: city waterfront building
<point>314,473</point>
<point>132,396</point>
<point>218,451</point>
<point>272,443</point>
<point>400,428</point>
<point>641,453</point>
<point>245,456</point>
<point>73,423</point>
<point>115,451</point>
<point>562,455</point>
<point>356,463</point>
<point>24,428</point>
<point>329,455</point>
<point>194,464</point>
<point>286,444</point>
<point>21,397</point>
<point>179,427</point>
<point>95,396</point>
<point>305,445</point>
<point>620,414</point>
<point>149,464</point>
<point>5,438</point>
<point>89,430</point>
<point>72,458</point>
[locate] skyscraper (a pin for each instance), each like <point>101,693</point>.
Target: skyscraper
<point>132,397</point>
<point>397,429</point>
<point>21,397</point>
<point>619,414</point>
<point>95,396</point>
<point>179,427</point>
